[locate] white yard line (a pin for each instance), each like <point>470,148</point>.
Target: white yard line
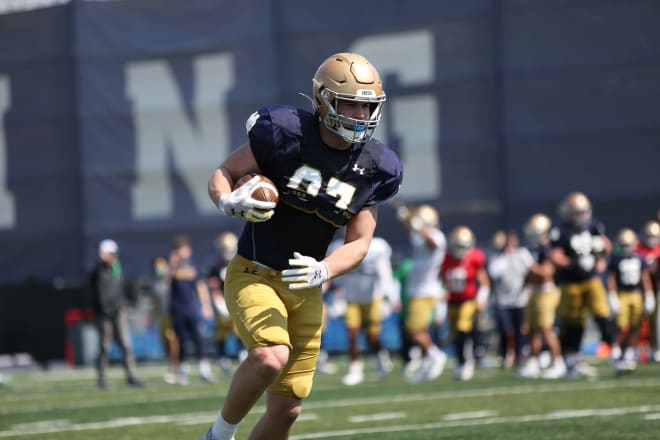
<point>567,414</point>
<point>377,417</point>
<point>101,401</point>
<point>470,415</point>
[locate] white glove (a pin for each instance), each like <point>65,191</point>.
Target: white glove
<point>613,299</point>
<point>416,224</point>
<point>482,297</point>
<point>402,213</point>
<point>239,203</point>
<point>649,302</point>
<point>311,273</point>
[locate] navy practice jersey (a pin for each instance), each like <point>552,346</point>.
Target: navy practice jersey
<point>321,188</point>
<point>628,271</point>
<point>183,290</point>
<point>541,253</point>
<point>582,246</point>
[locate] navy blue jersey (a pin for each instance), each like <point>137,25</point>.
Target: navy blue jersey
<point>582,246</point>
<point>321,188</point>
<point>541,253</point>
<point>183,290</point>
<point>628,270</point>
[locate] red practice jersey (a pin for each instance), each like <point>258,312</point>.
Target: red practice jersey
<point>460,276</point>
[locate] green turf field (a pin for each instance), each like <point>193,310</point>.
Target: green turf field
<point>65,405</point>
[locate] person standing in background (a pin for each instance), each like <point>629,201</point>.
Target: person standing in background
<point>464,273</point>
<point>424,288</point>
<point>366,288</point>
<point>160,289</point>
<point>508,269</point>
<point>226,246</point>
<point>109,303</point>
<point>649,248</point>
<point>190,303</point>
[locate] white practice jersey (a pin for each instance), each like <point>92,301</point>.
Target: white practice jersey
<point>424,276</point>
<point>508,272</point>
<point>373,278</point>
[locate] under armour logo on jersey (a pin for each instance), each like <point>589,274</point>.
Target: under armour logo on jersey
<point>358,170</point>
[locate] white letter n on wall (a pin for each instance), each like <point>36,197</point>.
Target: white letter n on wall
<point>7,205</point>
<point>162,127</point>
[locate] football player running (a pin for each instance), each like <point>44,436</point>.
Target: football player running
<point>365,289</point>
<point>330,172</point>
<point>627,275</point>
<point>424,289</point>
<point>464,274</point>
<point>579,251</point>
<point>649,248</point>
<point>541,309</point>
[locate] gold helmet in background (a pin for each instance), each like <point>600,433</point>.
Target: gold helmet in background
<point>428,215</point>
<point>498,242</point>
<point>651,234</point>
<point>627,241</point>
<point>537,229</point>
<point>461,240</point>
<point>575,210</point>
<point>348,77</point>
<point>227,245</point>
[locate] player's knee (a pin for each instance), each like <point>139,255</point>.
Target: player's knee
<point>269,361</point>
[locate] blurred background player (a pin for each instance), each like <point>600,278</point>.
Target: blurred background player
<point>627,277</point>
<point>365,289</point>
<point>507,269</point>
<point>423,289</point>
<point>649,248</point>
<point>579,252</point>
<point>541,311</point>
<point>160,290</point>
<point>226,246</point>
<point>468,286</point>
<point>109,302</point>
<point>190,303</point>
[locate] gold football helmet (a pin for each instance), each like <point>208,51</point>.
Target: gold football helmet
<point>349,77</point>
<point>461,240</point>
<point>627,241</point>
<point>575,210</point>
<point>227,245</point>
<point>498,241</point>
<point>429,216</point>
<point>651,234</point>
<point>537,229</point>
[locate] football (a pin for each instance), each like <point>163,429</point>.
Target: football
<point>266,191</point>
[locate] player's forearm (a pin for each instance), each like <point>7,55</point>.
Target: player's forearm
<point>220,183</point>
<point>346,257</point>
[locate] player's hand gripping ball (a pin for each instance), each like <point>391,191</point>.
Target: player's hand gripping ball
<point>253,198</point>
<point>264,190</point>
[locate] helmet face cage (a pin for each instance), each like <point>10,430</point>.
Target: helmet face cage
<point>348,77</point>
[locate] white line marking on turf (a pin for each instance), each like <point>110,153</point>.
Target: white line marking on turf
<point>477,422</point>
<point>652,416</point>
<point>470,415</point>
<point>103,402</point>
<point>376,417</point>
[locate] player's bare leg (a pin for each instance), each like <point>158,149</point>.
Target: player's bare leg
<point>281,412</point>
<point>262,366</point>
